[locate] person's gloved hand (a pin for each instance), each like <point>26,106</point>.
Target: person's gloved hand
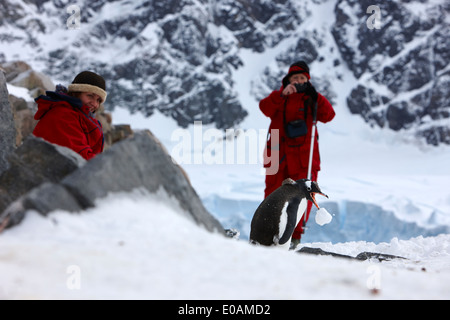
<point>311,91</point>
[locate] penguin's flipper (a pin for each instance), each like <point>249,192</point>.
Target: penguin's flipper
<point>288,220</point>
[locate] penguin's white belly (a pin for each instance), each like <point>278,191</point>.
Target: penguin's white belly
<point>284,219</point>
<point>301,209</point>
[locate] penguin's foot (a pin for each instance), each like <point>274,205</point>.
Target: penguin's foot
<point>294,244</point>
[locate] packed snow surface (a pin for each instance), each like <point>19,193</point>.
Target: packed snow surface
<point>139,247</point>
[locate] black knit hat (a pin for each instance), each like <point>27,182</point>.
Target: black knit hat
<point>88,81</point>
<point>297,67</point>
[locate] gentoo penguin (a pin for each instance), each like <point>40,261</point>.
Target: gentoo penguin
<point>277,216</point>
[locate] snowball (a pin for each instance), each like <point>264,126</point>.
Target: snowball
<point>323,217</point>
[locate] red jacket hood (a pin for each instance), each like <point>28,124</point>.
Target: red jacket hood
<point>64,121</point>
<point>55,99</point>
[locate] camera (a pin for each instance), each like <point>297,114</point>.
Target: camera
<point>301,87</point>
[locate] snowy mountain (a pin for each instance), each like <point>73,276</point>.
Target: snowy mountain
<point>402,68</point>
<point>388,190</point>
<point>181,57</point>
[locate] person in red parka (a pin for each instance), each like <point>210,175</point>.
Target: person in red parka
<point>291,112</point>
<point>66,117</point>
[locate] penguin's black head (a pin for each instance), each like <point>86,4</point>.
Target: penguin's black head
<point>310,189</point>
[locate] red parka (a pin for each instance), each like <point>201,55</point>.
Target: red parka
<point>63,120</point>
<point>293,152</point>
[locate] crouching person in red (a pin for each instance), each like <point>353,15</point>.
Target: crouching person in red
<point>66,117</point>
<point>291,112</point>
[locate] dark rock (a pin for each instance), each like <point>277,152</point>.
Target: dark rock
<point>320,252</point>
<point>364,101</point>
<point>23,113</point>
<point>20,74</point>
<point>436,135</point>
<point>408,73</point>
<point>408,53</point>
<point>212,105</point>
<point>139,162</point>
<point>399,116</point>
<point>398,27</point>
<point>304,50</point>
<point>361,257</point>
<point>44,199</point>
<point>185,54</point>
<point>33,163</point>
<point>120,132</point>
<point>7,128</point>
<point>49,197</point>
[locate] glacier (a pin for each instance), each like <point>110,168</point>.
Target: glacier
<point>352,221</point>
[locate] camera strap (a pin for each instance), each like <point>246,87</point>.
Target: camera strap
<point>284,112</point>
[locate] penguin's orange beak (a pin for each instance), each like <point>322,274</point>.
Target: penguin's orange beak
<point>313,197</point>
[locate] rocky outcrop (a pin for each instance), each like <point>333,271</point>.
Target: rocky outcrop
<point>363,256</point>
<point>406,60</point>
<point>44,177</point>
<point>136,163</point>
<point>33,163</point>
<point>20,74</point>
<point>182,57</point>
<point>23,112</point>
<point>7,127</point>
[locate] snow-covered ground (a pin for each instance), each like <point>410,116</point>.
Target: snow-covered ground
<point>137,247</point>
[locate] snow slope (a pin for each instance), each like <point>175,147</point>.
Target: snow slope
<point>138,247</point>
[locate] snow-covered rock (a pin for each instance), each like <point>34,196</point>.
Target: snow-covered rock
<point>401,67</point>
<point>139,162</point>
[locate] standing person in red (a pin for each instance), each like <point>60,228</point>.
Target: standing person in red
<point>66,117</point>
<point>291,112</point>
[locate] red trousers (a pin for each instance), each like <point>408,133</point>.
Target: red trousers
<point>273,182</point>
